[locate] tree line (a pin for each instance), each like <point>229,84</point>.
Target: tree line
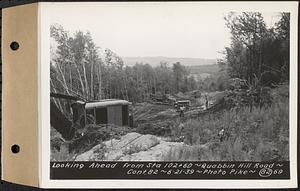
<point>257,54</point>
<point>78,67</point>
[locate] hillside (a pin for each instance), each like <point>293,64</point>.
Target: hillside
<point>200,69</point>
<point>155,61</point>
<point>250,132</point>
<point>200,72</point>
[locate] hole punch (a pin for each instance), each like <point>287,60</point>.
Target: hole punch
<point>14,45</point>
<point>15,149</point>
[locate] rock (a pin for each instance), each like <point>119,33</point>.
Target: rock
<point>155,153</point>
<point>115,149</point>
<point>130,147</point>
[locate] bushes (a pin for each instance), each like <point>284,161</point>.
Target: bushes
<point>256,134</point>
<point>196,132</point>
<point>183,153</point>
<point>62,154</point>
<point>85,139</point>
<point>162,128</point>
<point>191,153</point>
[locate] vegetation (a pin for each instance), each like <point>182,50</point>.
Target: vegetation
<point>258,135</point>
<point>89,137</point>
<point>254,116</point>
<point>257,125</point>
<point>257,51</point>
<point>78,67</point>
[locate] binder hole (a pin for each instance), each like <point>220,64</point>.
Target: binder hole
<point>15,149</point>
<point>14,45</point>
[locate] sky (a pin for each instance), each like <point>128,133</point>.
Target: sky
<point>152,29</point>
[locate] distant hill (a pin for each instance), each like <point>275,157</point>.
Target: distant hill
<point>155,61</point>
<point>201,72</point>
<point>207,69</point>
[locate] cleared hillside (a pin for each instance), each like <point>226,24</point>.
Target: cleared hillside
<point>200,69</point>
<point>155,61</point>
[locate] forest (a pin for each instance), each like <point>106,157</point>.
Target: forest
<point>256,54</point>
<point>255,116</point>
<point>80,68</point>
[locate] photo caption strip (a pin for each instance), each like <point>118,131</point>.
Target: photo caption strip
<point>169,170</point>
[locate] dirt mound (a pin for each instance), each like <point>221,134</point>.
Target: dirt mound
<point>132,146</point>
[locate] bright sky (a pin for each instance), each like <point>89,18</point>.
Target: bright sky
<point>152,29</point>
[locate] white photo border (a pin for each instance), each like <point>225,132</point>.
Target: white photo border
<point>46,9</point>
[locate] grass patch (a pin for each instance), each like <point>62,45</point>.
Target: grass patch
<point>251,134</point>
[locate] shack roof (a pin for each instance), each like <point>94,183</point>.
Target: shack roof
<point>105,103</point>
<point>183,101</point>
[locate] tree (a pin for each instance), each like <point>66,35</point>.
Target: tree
<point>283,34</point>
<point>179,74</point>
<point>75,65</point>
<point>257,52</point>
<point>248,29</point>
<point>79,68</point>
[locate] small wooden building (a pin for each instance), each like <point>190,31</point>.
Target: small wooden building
<point>109,111</point>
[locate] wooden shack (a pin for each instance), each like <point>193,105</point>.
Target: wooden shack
<point>110,111</point>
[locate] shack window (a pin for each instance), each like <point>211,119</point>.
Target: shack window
<point>125,114</point>
<point>101,115</point>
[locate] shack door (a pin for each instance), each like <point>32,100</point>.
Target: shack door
<point>101,115</point>
<point>125,115</point>
<point>115,115</point>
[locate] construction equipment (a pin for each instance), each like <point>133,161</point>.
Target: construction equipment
<point>182,103</point>
<point>85,112</point>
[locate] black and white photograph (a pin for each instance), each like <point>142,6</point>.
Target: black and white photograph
<point>166,84</point>
<point>150,95</point>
